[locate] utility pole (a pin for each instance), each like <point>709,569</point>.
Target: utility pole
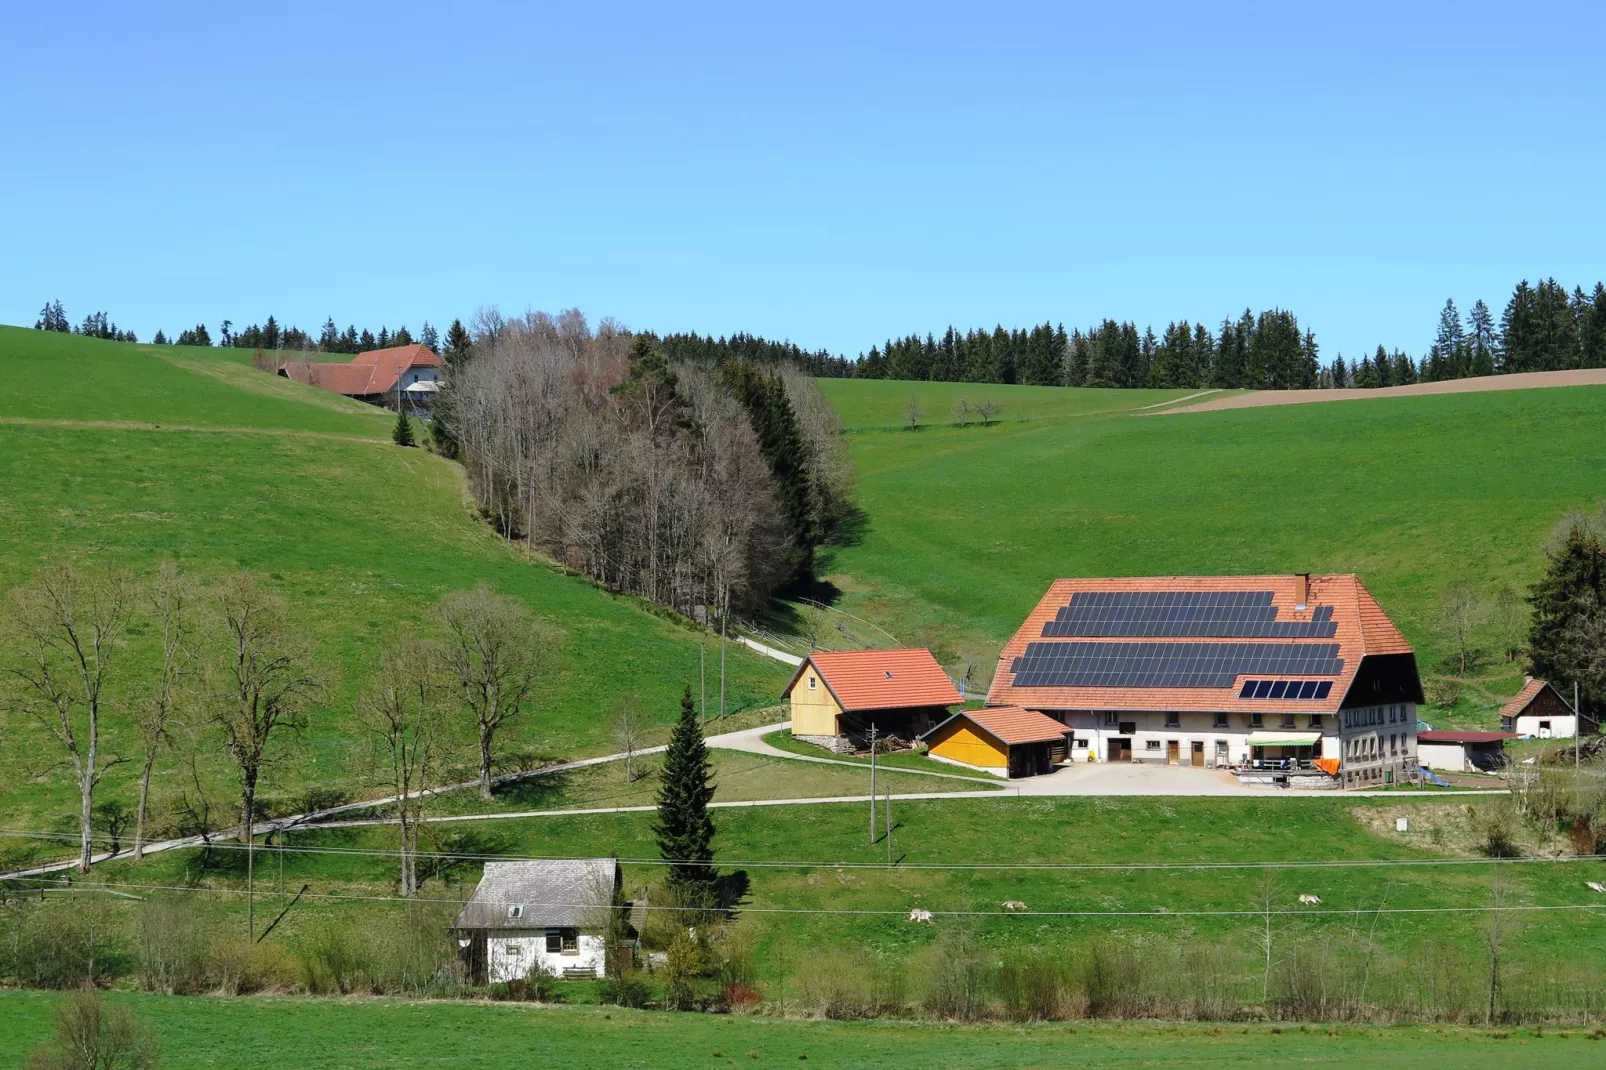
<point>722,666</point>
<point>888,823</point>
<point>702,677</point>
<point>872,784</point>
<point>1578,725</point>
<point>250,882</point>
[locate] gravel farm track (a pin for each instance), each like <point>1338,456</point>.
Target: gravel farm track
<point>1517,381</point>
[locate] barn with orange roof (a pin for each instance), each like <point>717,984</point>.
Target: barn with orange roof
<point>1294,678</point>
<point>838,696</point>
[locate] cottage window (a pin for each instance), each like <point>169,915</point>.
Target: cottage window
<point>1129,728</point>
<point>811,683</point>
<point>562,942</point>
<point>513,950</point>
<point>1288,720</point>
<point>1315,720</point>
<point>1109,717</point>
<point>1153,744</point>
<point>1173,720</point>
<point>1221,720</point>
<point>516,911</point>
<point>1256,721</point>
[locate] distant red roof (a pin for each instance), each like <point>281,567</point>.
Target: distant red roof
<point>881,679</point>
<point>1358,628</point>
<point>1524,698</point>
<point>374,372</point>
<point>1011,724</point>
<point>1451,736</point>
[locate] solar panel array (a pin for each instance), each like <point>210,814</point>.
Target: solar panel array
<point>1095,664</point>
<point>1228,614</point>
<point>1286,689</point>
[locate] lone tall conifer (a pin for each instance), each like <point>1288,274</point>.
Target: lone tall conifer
<point>685,831</point>
<point>402,433</point>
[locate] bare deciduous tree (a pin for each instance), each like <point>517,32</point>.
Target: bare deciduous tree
<point>66,629</point>
<point>1510,613</point>
<point>912,413</point>
<point>1498,926</point>
<point>988,410</point>
<point>962,410</point>
<point>491,656</point>
<point>402,710</point>
<point>171,598</point>
<point>92,1037</point>
<point>263,682</point>
<point>628,723</point>
<point>1463,610</point>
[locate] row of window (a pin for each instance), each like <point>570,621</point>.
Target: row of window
<point>1376,715</point>
<point>1369,747</point>
<point>1256,720</point>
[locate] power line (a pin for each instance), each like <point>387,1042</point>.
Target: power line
<point>1305,864</point>
<point>861,912</point>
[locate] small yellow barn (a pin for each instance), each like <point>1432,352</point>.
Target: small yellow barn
<point>1007,739</point>
<point>837,696</point>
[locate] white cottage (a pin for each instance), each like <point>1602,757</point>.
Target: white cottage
<point>1540,710</point>
<point>549,916</point>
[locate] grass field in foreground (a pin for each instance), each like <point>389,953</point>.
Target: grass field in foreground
<point>359,536</point>
<point>966,527</point>
<point>269,1033</point>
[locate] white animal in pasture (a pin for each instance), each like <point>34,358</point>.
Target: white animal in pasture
<point>1014,905</point>
<point>923,917</point>
<point>1595,886</point>
<point>1310,900</point>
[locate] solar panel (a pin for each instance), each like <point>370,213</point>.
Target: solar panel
<point>1170,664</point>
<point>1179,614</point>
<point>1287,689</point>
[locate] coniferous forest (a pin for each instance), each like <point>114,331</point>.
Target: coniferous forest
<point>1543,327</point>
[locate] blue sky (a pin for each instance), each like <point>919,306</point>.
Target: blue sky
<point>829,174</point>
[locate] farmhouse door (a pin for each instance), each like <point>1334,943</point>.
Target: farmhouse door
<point>1198,753</point>
<point>1171,752</point>
<point>1120,750</point>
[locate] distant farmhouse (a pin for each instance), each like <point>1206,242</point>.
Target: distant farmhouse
<point>1294,679</point>
<point>376,376</point>
<point>1540,710</point>
<point>837,697</point>
<point>547,917</point>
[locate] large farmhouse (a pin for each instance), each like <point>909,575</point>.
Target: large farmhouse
<point>377,376</point>
<point>837,697</point>
<point>1297,678</point>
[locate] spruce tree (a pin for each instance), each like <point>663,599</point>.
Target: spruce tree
<point>684,829</point>
<point>402,433</point>
<point>459,347</point>
<point>1571,592</point>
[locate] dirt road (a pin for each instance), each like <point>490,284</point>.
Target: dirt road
<point>1519,381</point>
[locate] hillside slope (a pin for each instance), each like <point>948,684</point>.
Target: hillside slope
<point>966,527</point>
<point>123,456</point>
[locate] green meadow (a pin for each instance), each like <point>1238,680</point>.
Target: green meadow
<point>326,1034</point>
<point>123,456</point>
<point>965,527</point>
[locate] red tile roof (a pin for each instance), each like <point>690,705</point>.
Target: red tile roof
<point>1012,725</point>
<point>1362,629</point>
<point>373,372</point>
<point>1448,736</point>
<point>881,679</point>
<point>1525,697</point>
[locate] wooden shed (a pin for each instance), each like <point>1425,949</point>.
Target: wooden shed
<point>1000,739</point>
<point>1540,710</point>
<point>1463,752</point>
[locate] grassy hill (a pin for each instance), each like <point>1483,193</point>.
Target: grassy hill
<point>966,526</point>
<point>125,455</point>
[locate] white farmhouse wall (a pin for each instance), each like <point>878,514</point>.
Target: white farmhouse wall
<point>514,954</point>
<point>1560,727</point>
<point>1447,756</point>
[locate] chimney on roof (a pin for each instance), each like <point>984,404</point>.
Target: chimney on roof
<point>1301,589</point>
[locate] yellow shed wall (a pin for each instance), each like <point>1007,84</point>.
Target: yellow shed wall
<point>965,744</point>
<point>814,713</point>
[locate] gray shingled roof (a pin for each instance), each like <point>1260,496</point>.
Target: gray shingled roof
<point>558,893</point>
